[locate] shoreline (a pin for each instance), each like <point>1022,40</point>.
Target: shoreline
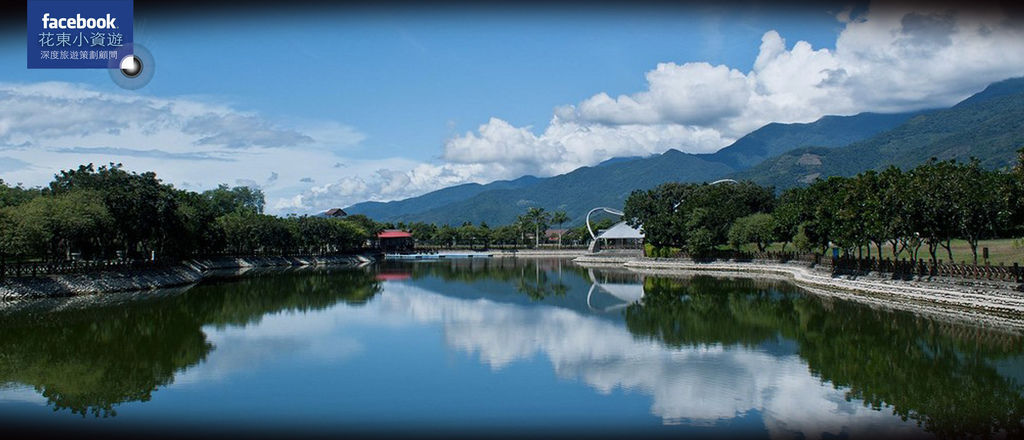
<point>984,302</point>
<point>185,273</point>
<point>541,253</point>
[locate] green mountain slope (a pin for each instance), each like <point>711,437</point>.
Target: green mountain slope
<point>988,125</point>
<point>575,192</point>
<point>830,131</point>
<point>441,197</point>
<point>472,202</point>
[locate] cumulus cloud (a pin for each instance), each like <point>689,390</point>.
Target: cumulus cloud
<point>390,179</point>
<point>44,114</point>
<point>689,94</point>
<point>892,58</point>
<point>698,386</point>
<point>49,126</point>
<point>566,145</point>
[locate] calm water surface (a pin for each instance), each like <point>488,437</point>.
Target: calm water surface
<point>502,346</point>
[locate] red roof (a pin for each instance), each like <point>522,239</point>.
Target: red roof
<point>393,233</point>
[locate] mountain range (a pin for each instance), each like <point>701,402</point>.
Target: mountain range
<point>988,125</point>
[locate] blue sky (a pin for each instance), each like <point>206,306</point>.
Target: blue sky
<point>468,95</point>
<point>411,79</point>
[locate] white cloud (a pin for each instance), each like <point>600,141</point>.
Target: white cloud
<point>690,94</point>
<point>566,145</point>
<point>693,385</point>
<point>891,58</point>
<point>389,179</point>
<point>697,385</point>
<point>894,58</point>
<point>49,126</point>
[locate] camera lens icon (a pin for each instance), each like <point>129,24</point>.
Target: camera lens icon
<point>135,69</point>
<point>131,66</point>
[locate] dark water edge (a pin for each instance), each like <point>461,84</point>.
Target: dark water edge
<point>953,380</point>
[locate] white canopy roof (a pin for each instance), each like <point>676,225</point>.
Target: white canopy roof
<point>621,230</point>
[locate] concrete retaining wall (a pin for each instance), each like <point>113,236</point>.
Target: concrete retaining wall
<point>188,272</point>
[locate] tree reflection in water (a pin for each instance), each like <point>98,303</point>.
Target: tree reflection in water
<point>89,360</point>
<point>940,375</point>
<point>536,278</point>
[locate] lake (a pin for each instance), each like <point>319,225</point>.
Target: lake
<point>502,346</point>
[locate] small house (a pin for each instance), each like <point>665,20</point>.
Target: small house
<point>395,241</point>
<point>335,213</point>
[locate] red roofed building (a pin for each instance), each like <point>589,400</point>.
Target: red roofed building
<point>394,240</point>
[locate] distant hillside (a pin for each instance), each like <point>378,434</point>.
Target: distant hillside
<point>988,125</point>
<point>385,211</point>
<point>475,202</point>
<point>830,131</point>
<point>575,192</point>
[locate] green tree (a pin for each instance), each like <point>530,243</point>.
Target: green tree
<point>559,218</point>
<point>16,195</point>
<point>895,209</point>
<point>240,198</point>
<point>143,209</point>
<point>657,211</point>
<point>538,218</point>
<point>57,225</point>
<point>371,227</point>
<point>448,236</point>
<point>981,208</point>
<point>934,212</point>
<point>801,241</point>
<point>759,228</point>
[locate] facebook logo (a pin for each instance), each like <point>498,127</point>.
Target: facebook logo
<point>79,34</point>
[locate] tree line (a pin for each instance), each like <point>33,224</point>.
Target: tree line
<point>923,208</point>
<point>528,230</point>
<point>108,212</point>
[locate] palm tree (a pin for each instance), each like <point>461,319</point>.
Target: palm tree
<point>559,218</point>
<point>539,217</point>
<point>522,224</point>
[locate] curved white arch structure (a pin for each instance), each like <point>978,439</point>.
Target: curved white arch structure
<point>627,293</point>
<point>602,208</point>
<point>613,211</point>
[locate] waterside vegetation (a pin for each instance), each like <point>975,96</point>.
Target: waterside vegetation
<point>110,213</point>
<point>916,212</point>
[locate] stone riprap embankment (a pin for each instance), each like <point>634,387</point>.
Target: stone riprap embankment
<point>978,301</point>
<point>185,273</point>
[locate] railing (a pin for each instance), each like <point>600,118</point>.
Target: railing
<point>898,268</point>
<point>782,257</point>
<point>37,268</point>
<point>33,269</point>
<point>928,268</point>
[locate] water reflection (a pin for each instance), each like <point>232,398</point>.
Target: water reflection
<point>702,350</point>
<point>628,291</point>
<point>710,349</point>
<point>942,376</point>
<point>89,359</point>
<point>697,386</point>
